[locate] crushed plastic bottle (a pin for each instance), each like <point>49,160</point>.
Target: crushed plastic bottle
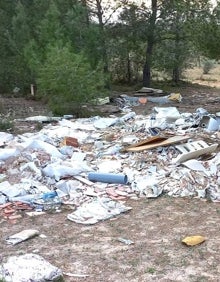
<point>48,202</point>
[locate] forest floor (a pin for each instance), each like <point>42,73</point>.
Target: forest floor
<point>155,226</point>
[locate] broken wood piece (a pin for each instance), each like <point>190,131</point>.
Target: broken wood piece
<point>149,140</point>
<point>193,150</point>
<point>83,180</point>
<point>154,142</point>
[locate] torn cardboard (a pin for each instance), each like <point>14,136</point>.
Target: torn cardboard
<point>154,142</point>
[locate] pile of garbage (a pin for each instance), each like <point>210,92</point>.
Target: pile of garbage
<point>96,164</point>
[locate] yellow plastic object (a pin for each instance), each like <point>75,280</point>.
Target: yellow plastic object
<point>193,240</point>
<point>175,97</point>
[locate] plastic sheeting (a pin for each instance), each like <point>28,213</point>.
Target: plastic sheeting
<point>29,267</point>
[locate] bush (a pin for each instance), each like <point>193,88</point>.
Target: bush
<point>67,80</point>
<point>6,125</point>
<point>207,66</point>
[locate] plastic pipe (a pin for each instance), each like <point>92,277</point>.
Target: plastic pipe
<point>108,177</point>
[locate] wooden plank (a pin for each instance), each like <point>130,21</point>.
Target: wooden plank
<point>149,140</point>
<point>157,143</point>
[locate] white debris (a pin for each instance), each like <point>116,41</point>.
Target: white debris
<point>97,210</point>
<point>40,162</point>
<point>22,236</point>
<point>58,170</point>
<point>29,267</point>
<point>7,153</point>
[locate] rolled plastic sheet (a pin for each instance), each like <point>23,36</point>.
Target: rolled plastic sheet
<point>108,177</point>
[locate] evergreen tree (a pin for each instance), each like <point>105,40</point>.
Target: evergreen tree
<point>67,80</point>
<point>207,36</point>
<point>7,9</point>
<point>177,25</point>
<point>127,38</point>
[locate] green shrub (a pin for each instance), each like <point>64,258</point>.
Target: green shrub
<point>6,125</point>
<point>67,80</point>
<point>207,66</point>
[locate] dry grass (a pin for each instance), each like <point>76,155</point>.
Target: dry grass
<point>212,79</point>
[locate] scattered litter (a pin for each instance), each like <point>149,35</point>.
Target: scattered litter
<point>76,275</point>
<point>176,97</point>
<point>105,122</point>
<point>193,240</point>
<point>146,142</point>
<point>147,186</point>
<point>142,100</point>
<point>93,164</point>
<point>195,165</point>
<point>154,142</point>
<point>13,210</point>
<point>47,204</point>
<point>70,141</point>
<point>125,241</point>
<point>22,236</point>
<point>7,153</point>
<point>97,210</point>
<point>211,123</point>
<point>193,150</point>
<point>169,113</point>
<point>102,101</point>
<point>58,170</point>
<point>42,119</point>
<point>35,213</point>
<point>5,138</point>
<point>150,90</point>
<point>138,98</point>
<point>83,180</point>
<point>29,267</point>
<point>108,177</point>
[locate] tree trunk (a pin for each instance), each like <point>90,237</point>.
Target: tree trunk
<point>150,45</point>
<point>147,65</point>
<point>176,68</point>
<point>101,27</point>
<point>85,5</point>
<point>176,75</point>
<point>128,69</point>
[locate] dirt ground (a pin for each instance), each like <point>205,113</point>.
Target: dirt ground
<point>155,226</point>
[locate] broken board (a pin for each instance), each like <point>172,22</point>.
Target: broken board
<point>154,142</point>
<point>193,150</point>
